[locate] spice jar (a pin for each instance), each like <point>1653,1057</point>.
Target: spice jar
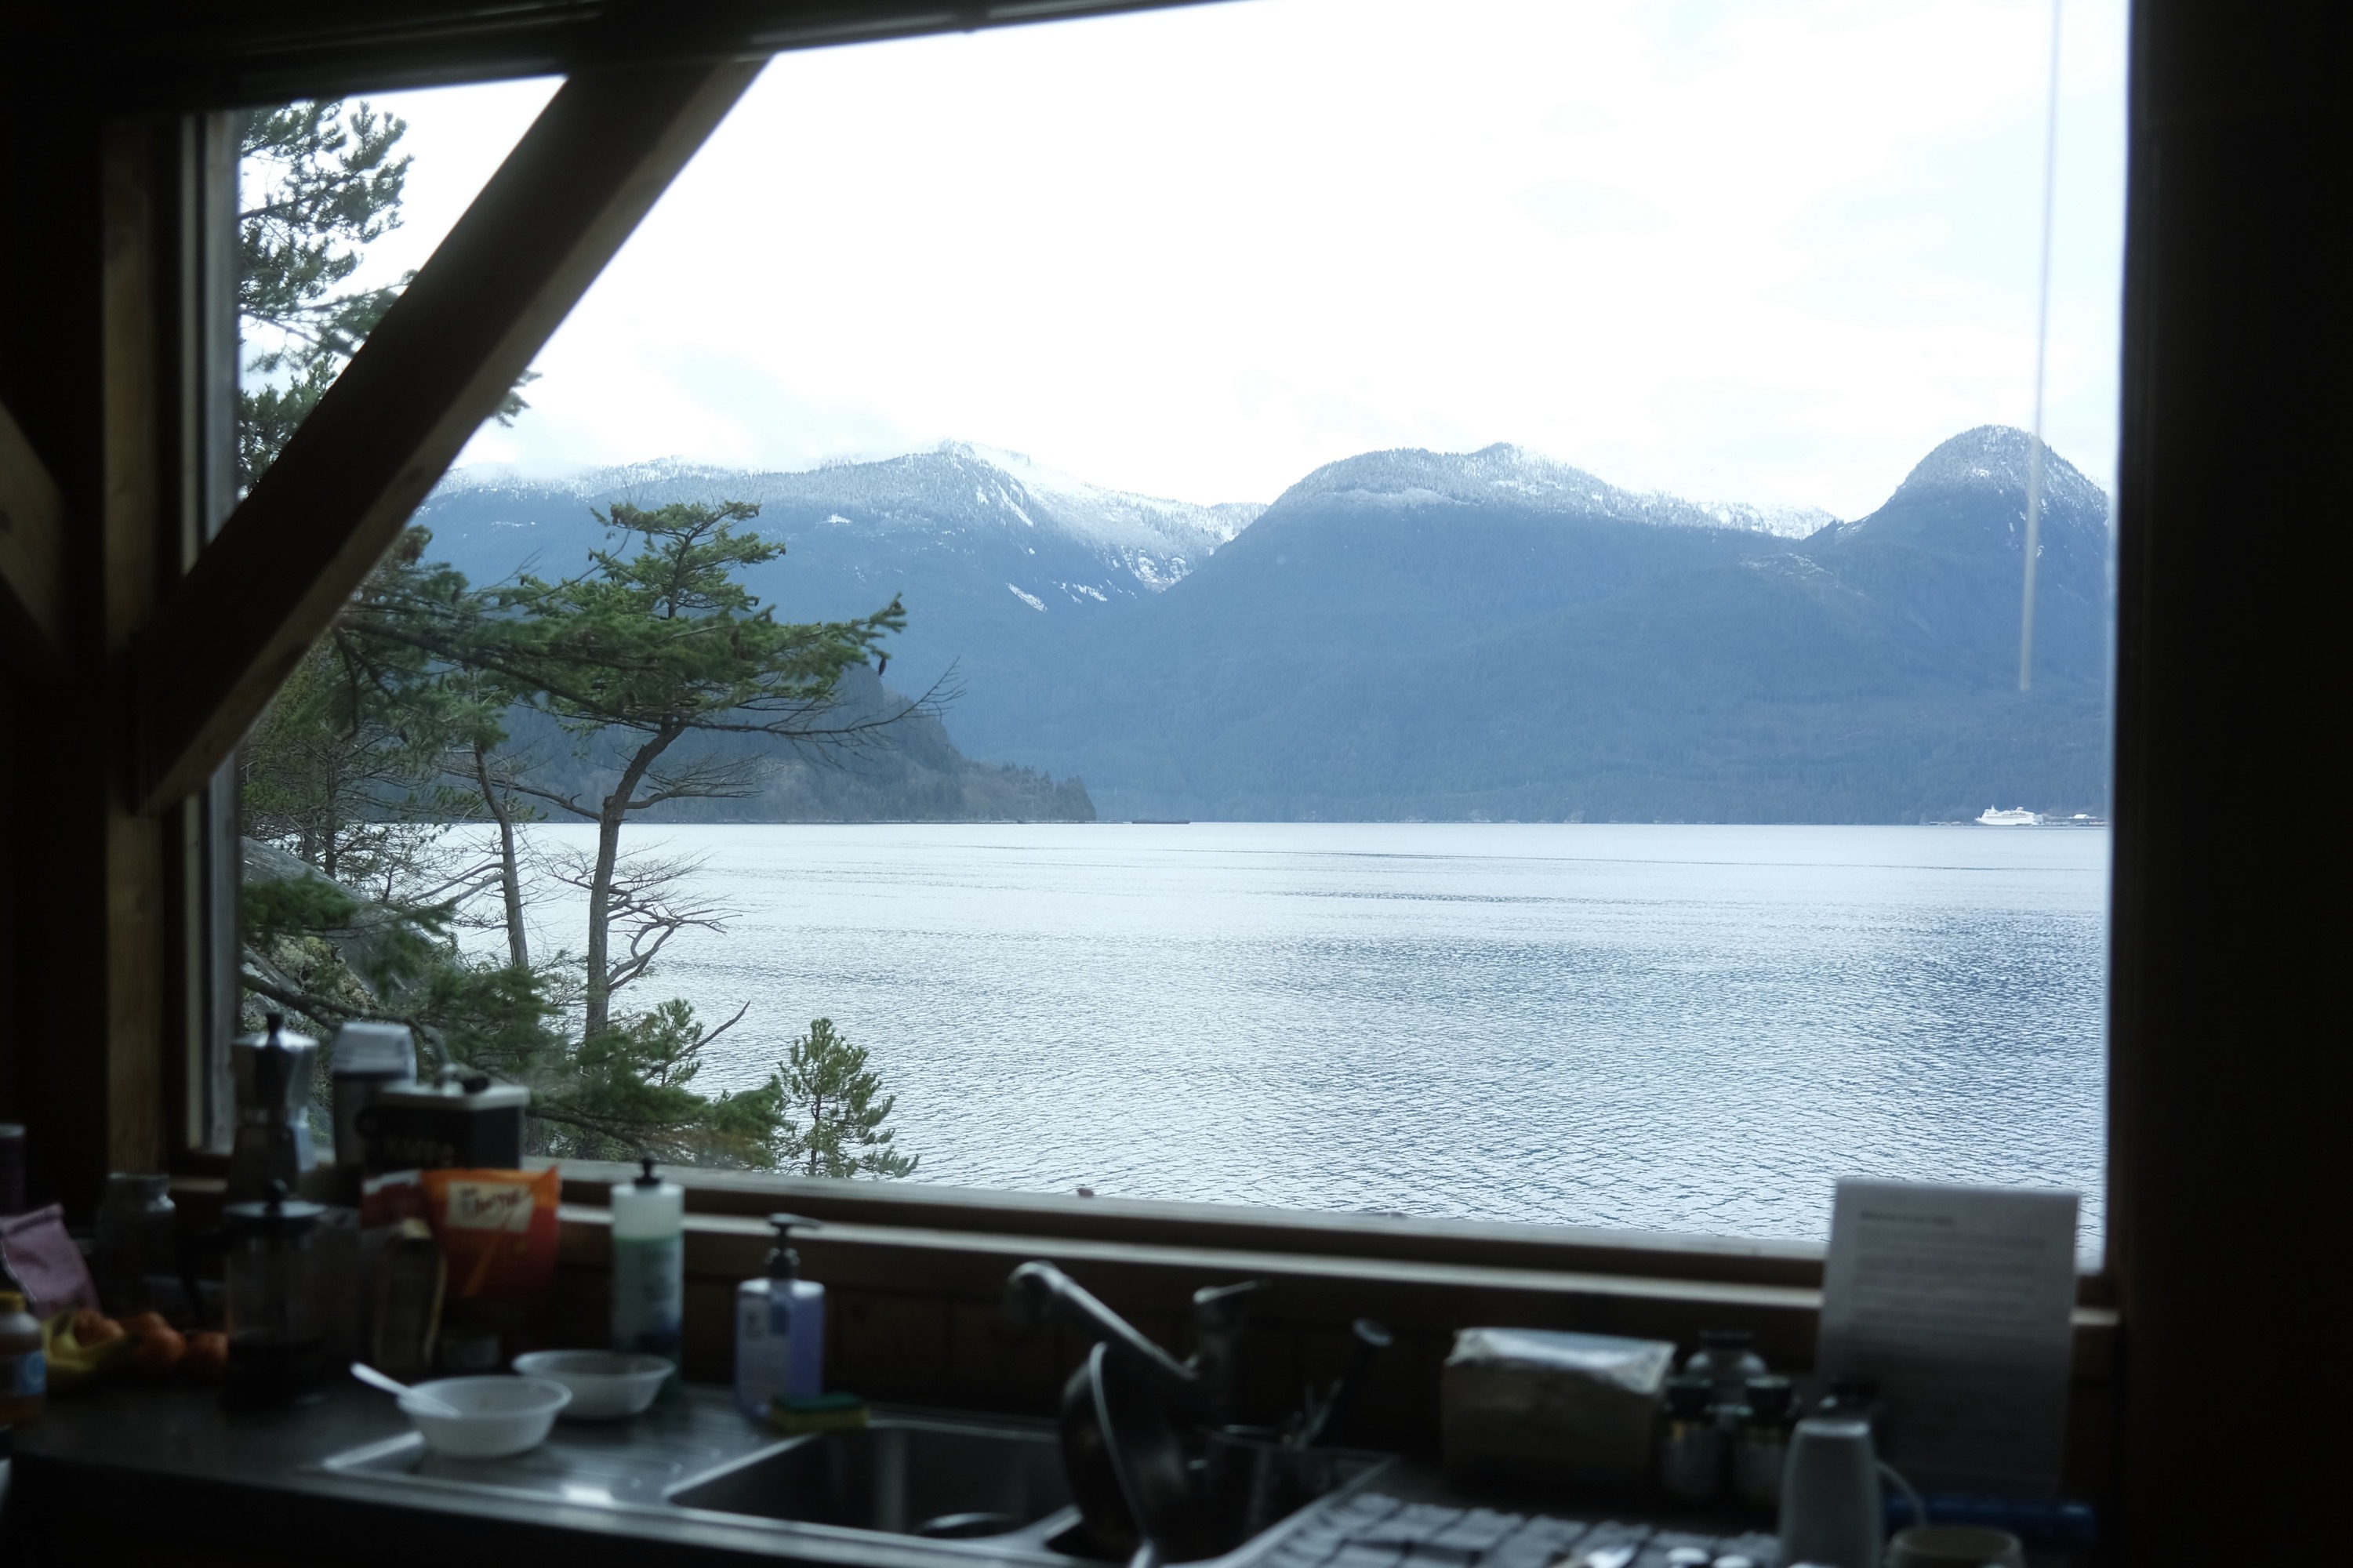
<point>1691,1446</point>
<point>276,1346</point>
<point>1760,1448</point>
<point>1727,1360</point>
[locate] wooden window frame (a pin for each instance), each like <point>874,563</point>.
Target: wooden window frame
<point>891,1238</point>
<point>2223,1189</point>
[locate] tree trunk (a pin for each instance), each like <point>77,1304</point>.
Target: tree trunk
<point>510,876</point>
<point>610,814</point>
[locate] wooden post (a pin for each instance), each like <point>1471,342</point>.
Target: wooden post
<point>90,383</point>
<point>115,464</point>
<point>2228,1188</point>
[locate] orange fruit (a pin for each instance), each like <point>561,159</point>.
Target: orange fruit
<point>159,1352</point>
<point>92,1328</point>
<point>207,1356</point>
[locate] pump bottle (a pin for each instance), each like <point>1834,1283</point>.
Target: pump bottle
<point>779,1328</point>
<point>648,1265</point>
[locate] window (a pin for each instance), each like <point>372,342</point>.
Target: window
<point>1462,621</point>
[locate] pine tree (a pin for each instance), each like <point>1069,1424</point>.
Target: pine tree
<point>322,181</point>
<point>390,730</point>
<point>646,650</point>
<point>832,1122</point>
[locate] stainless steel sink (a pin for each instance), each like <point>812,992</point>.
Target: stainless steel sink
<point>962,1491</point>
<point>937,1478</point>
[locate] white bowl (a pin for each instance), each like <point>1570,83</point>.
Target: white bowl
<point>605,1386</point>
<point>497,1415</point>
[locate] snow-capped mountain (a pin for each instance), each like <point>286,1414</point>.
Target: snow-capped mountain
<point>1061,539</point>
<point>1417,633</point>
<point>1529,481</point>
<point>1993,459</point>
<point>1967,498</point>
<point>996,558</point>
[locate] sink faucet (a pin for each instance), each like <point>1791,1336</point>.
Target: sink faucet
<point>1202,1386</point>
<point>1220,1312</point>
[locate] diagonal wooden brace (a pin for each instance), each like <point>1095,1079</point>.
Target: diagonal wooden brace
<point>440,362</point>
<point>32,546</point>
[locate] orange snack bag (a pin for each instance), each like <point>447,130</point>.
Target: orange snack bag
<point>497,1233</point>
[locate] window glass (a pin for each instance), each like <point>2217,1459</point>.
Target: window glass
<point>1354,606</point>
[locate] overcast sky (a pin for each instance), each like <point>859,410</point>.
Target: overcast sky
<point>1756,252</point>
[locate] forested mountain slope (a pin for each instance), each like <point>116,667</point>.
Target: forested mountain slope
<point>1413,634</point>
<point>1376,645</point>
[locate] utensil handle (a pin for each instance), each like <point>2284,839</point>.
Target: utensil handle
<point>400,1390</point>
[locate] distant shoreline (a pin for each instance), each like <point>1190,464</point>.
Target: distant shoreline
<point>1288,822</point>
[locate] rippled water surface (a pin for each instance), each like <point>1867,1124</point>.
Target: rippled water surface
<point>1690,1028</point>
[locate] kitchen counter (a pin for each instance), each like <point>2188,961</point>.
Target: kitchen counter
<point>160,1476</point>
<point>164,1471</point>
<point>168,1476</point>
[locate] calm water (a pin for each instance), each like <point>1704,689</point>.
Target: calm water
<point>1680,1028</point>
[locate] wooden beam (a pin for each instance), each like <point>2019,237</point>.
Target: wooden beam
<point>602,153</point>
<point>32,544</point>
<point>136,525</point>
<point>144,55</point>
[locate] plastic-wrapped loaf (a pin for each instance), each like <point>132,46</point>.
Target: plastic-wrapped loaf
<point>1540,1404</point>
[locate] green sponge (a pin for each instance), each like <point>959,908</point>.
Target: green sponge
<point>795,1414</point>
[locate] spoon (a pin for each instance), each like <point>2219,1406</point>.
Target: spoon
<point>375,1379</point>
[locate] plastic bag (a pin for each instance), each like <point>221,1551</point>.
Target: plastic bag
<point>497,1231</point>
<point>35,1248</point>
<point>1543,1406</point>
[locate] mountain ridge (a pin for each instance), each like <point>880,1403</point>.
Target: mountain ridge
<point>1415,476</point>
<point>1410,633</point>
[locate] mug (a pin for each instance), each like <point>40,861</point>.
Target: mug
<point>1954,1546</point>
<point>1831,1508</point>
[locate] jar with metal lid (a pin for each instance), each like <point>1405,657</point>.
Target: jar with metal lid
<point>1727,1359</point>
<point>276,1345</point>
<point>1691,1446</point>
<point>1760,1448</point>
<point>138,1239</point>
<point>1852,1399</point>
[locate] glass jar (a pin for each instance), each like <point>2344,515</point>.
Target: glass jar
<point>1760,1450</point>
<point>138,1239</point>
<point>1727,1360</point>
<point>1691,1446</point>
<point>276,1346</point>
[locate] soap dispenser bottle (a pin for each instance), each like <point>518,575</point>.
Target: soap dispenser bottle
<point>649,1266</point>
<point>779,1328</point>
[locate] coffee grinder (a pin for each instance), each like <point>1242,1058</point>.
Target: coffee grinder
<point>273,1071</point>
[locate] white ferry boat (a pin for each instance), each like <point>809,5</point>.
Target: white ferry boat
<point>2016,816</point>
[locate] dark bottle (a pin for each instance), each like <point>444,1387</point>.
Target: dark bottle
<point>24,1369</point>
